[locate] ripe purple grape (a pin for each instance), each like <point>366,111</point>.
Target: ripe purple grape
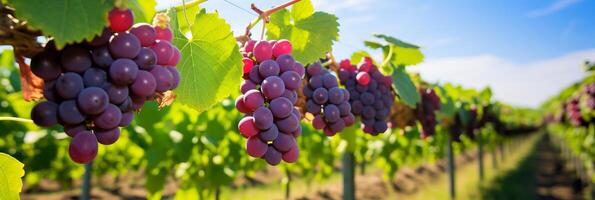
<point>281,107</point>
<point>76,59</point>
<point>69,113</point>
<point>145,33</point>
<point>92,100</point>
<point>272,156</point>
<point>144,85</point>
<point>123,71</point>
<point>269,134</point>
<point>124,45</point>
<point>83,147</point>
<point>176,76</point>
<point>163,78</point>
<point>268,68</point>
<point>263,118</point>
<point>255,147</point>
<point>291,79</point>
<point>164,50</point>
<point>109,118</point>
<point>146,59</point>
<point>94,77</point>
<point>283,142</point>
<point>69,85</point>
<point>102,57</point>
<point>45,66</point>
<point>73,130</point>
<point>107,137</point>
<point>117,94</point>
<point>45,114</point>
<point>272,87</point>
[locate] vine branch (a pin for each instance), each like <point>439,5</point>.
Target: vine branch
<point>262,15</point>
<point>16,119</point>
<point>17,33</point>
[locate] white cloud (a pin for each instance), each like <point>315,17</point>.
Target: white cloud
<point>524,84</point>
<point>558,5</point>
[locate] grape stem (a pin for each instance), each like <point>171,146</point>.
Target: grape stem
<point>16,119</point>
<point>264,15</point>
<point>389,57</point>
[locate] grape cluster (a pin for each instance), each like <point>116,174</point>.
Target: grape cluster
<point>92,88</point>
<point>272,122</point>
<point>426,111</point>
<point>371,95</point>
<point>472,123</point>
<point>573,111</point>
<point>326,101</point>
<point>401,116</point>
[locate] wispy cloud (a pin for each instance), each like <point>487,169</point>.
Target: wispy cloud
<point>526,84</point>
<point>556,6</point>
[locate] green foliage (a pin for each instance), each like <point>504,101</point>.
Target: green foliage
<point>211,62</point>
<point>11,171</point>
<point>311,33</point>
<point>67,21</point>
<point>405,87</point>
<point>143,10</point>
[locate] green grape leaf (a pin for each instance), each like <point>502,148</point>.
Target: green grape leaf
<point>67,21</point>
<point>357,56</point>
<point>211,61</point>
<point>405,87</point>
<point>11,171</point>
<point>373,45</point>
<point>143,10</point>
<point>403,53</point>
<point>311,33</point>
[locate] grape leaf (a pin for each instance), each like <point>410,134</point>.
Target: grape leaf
<point>311,33</point>
<point>405,87</point>
<point>211,61</point>
<point>403,53</point>
<point>143,10</point>
<point>67,21</point>
<point>357,56</point>
<point>11,171</point>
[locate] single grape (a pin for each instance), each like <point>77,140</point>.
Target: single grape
<point>288,124</point>
<point>344,108</point>
<point>291,79</point>
<point>45,114</point>
<point>286,63</point>
<point>92,100</point>
<point>49,91</point>
<point>138,102</point>
<point>272,156</point>
<point>363,78</point>
<point>145,84</point>
<point>367,98</point>
<point>45,66</point>
<point>331,113</point>
<point>120,19</point>
<point>174,72</point>
<point>102,57</point>
<point>83,147</point>
<point>269,134</point>
<point>272,87</point>
<point>380,127</point>
<point>284,142</point>
<point>299,68</point>
<point>94,77</point>
<point>315,69</point>
<point>337,126</point>
<point>124,45</point>
<point>369,112</point>
<point>109,118</point>
<point>320,96</point>
<point>312,107</point>
<point>335,95</point>
<point>69,113</point>
<point>281,107</point>
<point>163,33</point>
<point>263,50</point>
<point>123,71</point>
<point>76,58</point>
<point>175,58</point>
<point>282,47</point>
<point>292,155</point>
<point>247,127</point>
<point>268,68</point>
<point>249,46</point>
<point>163,78</point>
<point>247,85</point>
<point>164,50</point>
<point>248,64</point>
<point>73,130</point>
<point>127,118</point>
<point>107,137</point>
<point>253,99</point>
<point>69,85</point>
<point>357,107</point>
<point>126,105</point>
<point>329,81</point>
<point>315,81</point>
<point>291,95</point>
<point>263,118</point>
<point>255,147</point>
<point>318,122</point>
<point>240,105</point>
<point>145,34</point>
<point>146,59</point>
<point>117,94</point>
<point>349,119</point>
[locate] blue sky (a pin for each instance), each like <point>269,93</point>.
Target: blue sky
<point>525,50</point>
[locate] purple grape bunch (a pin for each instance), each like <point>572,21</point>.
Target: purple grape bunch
<point>426,111</point>
<point>326,101</point>
<point>269,93</point>
<point>371,95</point>
<point>93,88</point>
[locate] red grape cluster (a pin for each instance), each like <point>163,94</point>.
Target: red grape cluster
<point>371,95</point>
<point>326,101</point>
<point>430,102</point>
<point>271,79</point>
<point>92,88</point>
<point>472,123</point>
<point>573,111</point>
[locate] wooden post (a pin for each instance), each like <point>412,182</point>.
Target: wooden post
<point>348,171</point>
<point>480,154</point>
<point>451,168</point>
<point>86,188</point>
<point>288,183</point>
